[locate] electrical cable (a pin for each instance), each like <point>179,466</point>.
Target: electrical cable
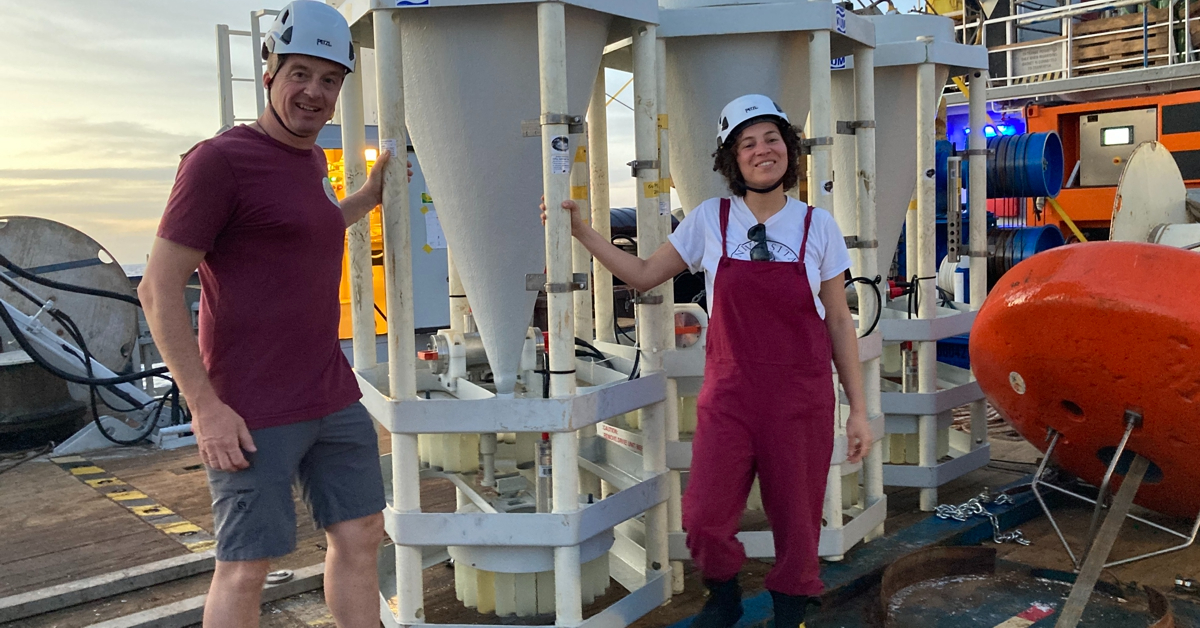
<point>58,285</point>
<point>92,382</point>
<point>633,373</point>
<point>25,345</point>
<point>878,296</point>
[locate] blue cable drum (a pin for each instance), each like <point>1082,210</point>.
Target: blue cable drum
<point>1023,166</point>
<point>1013,246</point>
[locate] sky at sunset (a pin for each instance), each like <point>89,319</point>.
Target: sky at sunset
<point>100,99</point>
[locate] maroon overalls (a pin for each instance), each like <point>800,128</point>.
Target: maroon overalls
<point>766,407</point>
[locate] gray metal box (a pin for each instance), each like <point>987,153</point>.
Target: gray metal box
<point>1107,139</point>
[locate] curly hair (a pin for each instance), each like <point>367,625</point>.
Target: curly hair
<point>725,157</point>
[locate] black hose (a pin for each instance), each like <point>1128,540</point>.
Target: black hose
<point>72,329</point>
<point>878,296</point>
<point>58,285</point>
<point>23,342</point>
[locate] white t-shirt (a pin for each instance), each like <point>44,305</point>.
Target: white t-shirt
<point>698,241</point>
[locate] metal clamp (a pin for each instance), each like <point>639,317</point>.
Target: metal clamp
<point>848,127</point>
<point>536,282</point>
<point>852,242</point>
<point>648,299</point>
<point>637,166</point>
<point>533,128</point>
<point>807,144</point>
<point>977,151</point>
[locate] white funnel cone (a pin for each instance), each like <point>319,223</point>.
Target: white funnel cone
<point>895,130</point>
<point>703,75</point>
<point>470,79</point>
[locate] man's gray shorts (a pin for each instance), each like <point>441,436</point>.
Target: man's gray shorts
<point>335,463</point>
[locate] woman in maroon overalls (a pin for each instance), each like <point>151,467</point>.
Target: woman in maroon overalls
<point>777,316</point>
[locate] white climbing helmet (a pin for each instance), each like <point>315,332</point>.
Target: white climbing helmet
<point>743,109</point>
<point>310,28</point>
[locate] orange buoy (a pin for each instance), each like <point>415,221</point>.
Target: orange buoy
<point>1071,338</point>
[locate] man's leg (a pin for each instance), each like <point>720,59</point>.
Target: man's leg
<point>254,518</point>
<point>343,485</point>
<point>235,595</point>
<point>351,574</point>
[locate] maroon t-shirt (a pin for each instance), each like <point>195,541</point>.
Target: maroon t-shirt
<point>273,235</point>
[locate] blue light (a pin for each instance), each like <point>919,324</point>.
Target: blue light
<point>990,131</point>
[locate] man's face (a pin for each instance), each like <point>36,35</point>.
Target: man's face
<point>304,91</point>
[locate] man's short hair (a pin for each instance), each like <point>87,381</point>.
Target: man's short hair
<point>273,63</point>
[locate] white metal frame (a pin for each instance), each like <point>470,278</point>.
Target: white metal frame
<point>573,405</point>
<point>225,77</point>
<point>919,411</point>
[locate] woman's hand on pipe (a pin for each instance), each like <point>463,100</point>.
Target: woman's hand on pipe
<point>578,224</point>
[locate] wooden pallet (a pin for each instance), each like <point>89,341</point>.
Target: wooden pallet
<point>1124,50</point>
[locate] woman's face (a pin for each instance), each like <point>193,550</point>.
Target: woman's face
<point>761,155</point>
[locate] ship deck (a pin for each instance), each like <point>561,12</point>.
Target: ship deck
<point>56,528</point>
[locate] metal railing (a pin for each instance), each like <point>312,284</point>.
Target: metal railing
<point>1063,65</point>
<point>225,77</point>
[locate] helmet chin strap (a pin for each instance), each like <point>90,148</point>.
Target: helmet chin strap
<point>767,190</point>
<point>271,106</point>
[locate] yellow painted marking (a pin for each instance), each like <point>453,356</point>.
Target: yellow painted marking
<point>427,248</point>
<point>86,470</point>
<point>200,546</point>
<point>581,154</point>
<point>662,121</point>
<point>104,482</point>
<point>179,527</point>
<point>424,209</point>
<point>579,192</point>
<point>664,185</point>
<point>151,511</point>
<point>1015,622</point>
<point>650,189</point>
<point>125,496</point>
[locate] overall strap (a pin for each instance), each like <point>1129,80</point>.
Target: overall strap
<point>724,227</point>
<point>804,242</point>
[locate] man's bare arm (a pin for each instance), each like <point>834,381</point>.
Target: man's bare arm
<point>220,432</point>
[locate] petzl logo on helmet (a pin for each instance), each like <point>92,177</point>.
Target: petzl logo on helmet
<point>751,108</point>
<point>324,42</point>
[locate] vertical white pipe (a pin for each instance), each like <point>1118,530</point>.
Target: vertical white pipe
<point>833,504</point>
<point>820,121</point>
<point>977,240</point>
<point>926,243</point>
<point>653,316</point>
<point>362,279</point>
<point>459,306</point>
<point>581,261</point>
<point>581,258</point>
<point>397,266</point>
<point>559,304</point>
<point>260,92</point>
<point>225,77</point>
<point>671,428</point>
<point>602,289</point>
<point>868,259</point>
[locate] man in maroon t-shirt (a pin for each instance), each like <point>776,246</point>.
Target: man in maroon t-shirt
<point>272,396</point>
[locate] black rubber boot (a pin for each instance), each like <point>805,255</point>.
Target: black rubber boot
<point>789,609</point>
<point>724,606</point>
